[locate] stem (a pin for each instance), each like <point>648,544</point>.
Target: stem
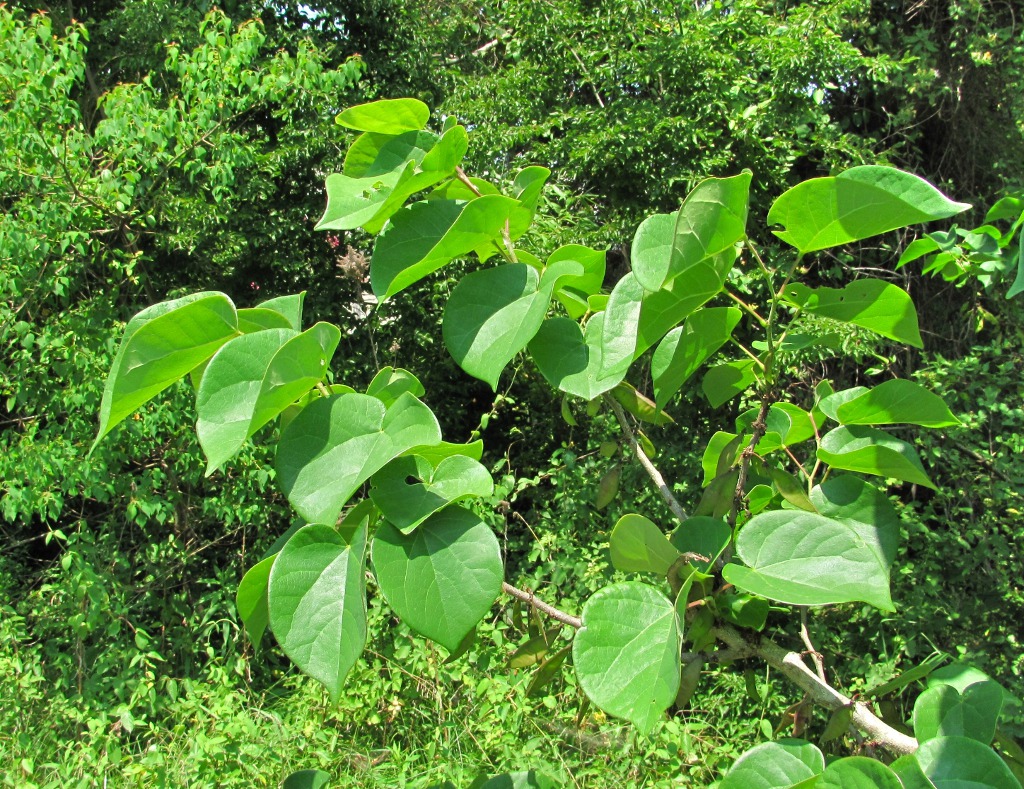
<point>818,691</point>
<point>754,313</point>
<point>805,636</point>
<point>758,429</point>
<point>509,251</point>
<point>652,472</point>
<point>540,605</point>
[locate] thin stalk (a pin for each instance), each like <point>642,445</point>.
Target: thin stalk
<point>540,605</point>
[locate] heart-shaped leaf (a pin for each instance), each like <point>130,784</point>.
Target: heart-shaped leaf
<point>872,304</point>
<point>712,219</point>
<point>963,763</point>
<point>386,116</point>
<point>337,443</point>
<point>806,559</point>
<point>289,306</point>
<point>683,350</point>
<point>865,509</point>
<point>651,253</point>
<point>858,772</point>
<point>426,235</point>
<point>724,381</point>
<point>373,153</point>
<point>871,451</point>
<point>859,203</point>
<point>572,361</point>
<point>161,345</point>
<point>573,291</point>
<point>251,599</point>
<point>389,384</point>
<point>775,765</point>
<point>252,379</point>
<point>627,652</point>
<point>897,402</point>
<point>908,770</point>
<point>407,505</point>
<point>493,313</point>
<point>317,602</point>
<point>443,578</point>
<point>638,546</point>
<point>704,536</point>
<point>306,779</point>
<point>941,711</point>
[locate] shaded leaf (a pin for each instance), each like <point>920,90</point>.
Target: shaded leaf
<point>871,451</point>
<point>683,350</point>
<point>251,599</point>
<point>638,546</point>
<point>775,765</point>
<point>872,304</point>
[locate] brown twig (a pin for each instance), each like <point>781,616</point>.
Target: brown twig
<point>540,605</point>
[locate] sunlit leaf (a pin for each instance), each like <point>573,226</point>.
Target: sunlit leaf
<point>872,304</point>
<point>386,116</point>
<point>859,203</point>
<point>638,546</point>
<point>683,350</point>
<point>871,451</point>
<point>897,401</point>
<point>317,602</point>
<point>251,599</point>
<point>775,765</point>
<point>442,578</point>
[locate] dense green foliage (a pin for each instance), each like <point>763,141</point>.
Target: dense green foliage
<point>119,625</point>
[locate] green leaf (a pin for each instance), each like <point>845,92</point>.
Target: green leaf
<point>252,379</point>
<point>627,652</point>
<point>805,559</point>
<point>407,505</point>
<point>337,443</point>
<point>640,406</point>
<point>963,763</point>
<point>858,772</point>
<point>961,676</point>
<point>711,221</point>
<point>608,488</point>
<point>306,779</point>
<point>373,154</point>
<point>744,610</point>
<point>621,323</point>
<point>775,765</point>
<point>493,313</point>
<point>908,770</point>
<point>702,535</point>
<point>520,780</point>
<point>724,381</point>
<point>572,361</point>
<point>573,291</point>
<point>872,304</point>
<point>638,546</point>
<point>897,402</point>
<point>871,451</point>
<point>683,350</point>
<point>857,204</point>
<point>254,319</point>
<point>161,345</point>
<point>387,116</point>
<point>865,509</point>
<point>668,307</point>
<point>719,456</point>
<point>353,202</point>
<point>435,453</point>
<point>251,599</point>
<point>651,253</point>
<point>389,384</point>
<point>829,404</point>
<point>546,671</point>
<point>317,602</point>
<point>941,711</point>
<point>791,490</point>
<point>443,578</point>
<point>533,651</point>
<point>426,235</point>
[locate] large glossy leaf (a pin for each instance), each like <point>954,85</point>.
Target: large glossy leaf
<point>443,578</point>
<point>863,508</point>
<point>252,379</point>
<point>711,221</point>
<point>426,235</point>
<point>908,770</point>
<point>638,546</point>
<point>859,203</point>
<point>573,292</point>
<point>897,402</point>
<point>493,313</point>
<point>651,253</point>
<point>858,772</point>
<point>352,202</point>
<point>941,711</point>
<point>668,307</point>
<point>390,383</point>
<point>806,559</point>
<point>317,602</point>
<point>683,350</point>
<point>376,154</point>
<point>290,307</point>
<point>161,345</point>
<point>621,324</point>
<point>251,599</point>
<point>775,765</point>
<point>337,443</point>
<point>572,361</point>
<point>627,652</point>
<point>386,116</point>
<point>963,763</point>
<point>871,451</point>
<point>406,504</point>
<point>872,304</point>
<point>724,381</point>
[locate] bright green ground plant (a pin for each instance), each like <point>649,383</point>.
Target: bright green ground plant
<point>793,514</point>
